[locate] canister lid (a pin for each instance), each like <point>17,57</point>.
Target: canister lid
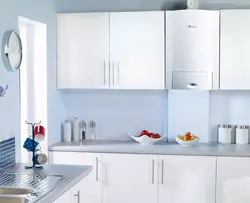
<point>242,127</point>
<point>225,126</point>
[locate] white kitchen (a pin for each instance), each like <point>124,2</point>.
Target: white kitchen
<point>114,101</point>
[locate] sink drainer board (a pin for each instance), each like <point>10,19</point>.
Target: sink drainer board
<point>41,184</point>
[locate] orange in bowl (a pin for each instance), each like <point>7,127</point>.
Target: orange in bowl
<point>187,139</point>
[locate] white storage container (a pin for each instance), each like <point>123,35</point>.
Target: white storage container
<point>67,128</point>
<point>225,134</point>
<point>242,135</point>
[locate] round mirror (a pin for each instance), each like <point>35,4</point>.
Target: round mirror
<point>12,50</point>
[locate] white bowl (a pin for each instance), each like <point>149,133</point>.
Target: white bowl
<point>187,143</point>
<point>146,140</point>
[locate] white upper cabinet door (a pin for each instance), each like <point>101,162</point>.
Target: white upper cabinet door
<point>130,178</point>
<point>90,187</point>
<point>83,51</point>
<point>193,42</point>
<point>235,50</point>
<point>233,180</point>
<point>187,179</point>
<point>137,50</point>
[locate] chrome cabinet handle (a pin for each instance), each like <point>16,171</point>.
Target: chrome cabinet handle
<point>78,196</point>
<point>105,78</point>
<point>162,171</point>
<point>115,73</point>
<point>97,169</point>
<point>192,26</point>
<point>153,171</point>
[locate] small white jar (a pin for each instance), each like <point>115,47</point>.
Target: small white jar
<point>225,134</point>
<point>242,134</point>
<point>192,4</point>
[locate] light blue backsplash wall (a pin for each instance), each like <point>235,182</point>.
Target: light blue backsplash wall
<point>42,11</point>
<point>173,112</point>
<point>229,107</point>
<point>119,112</point>
<point>188,111</point>
<point>202,111</point>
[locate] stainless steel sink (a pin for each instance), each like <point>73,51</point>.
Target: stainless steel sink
<point>13,200</point>
<point>15,191</point>
<point>23,188</point>
<point>14,195</point>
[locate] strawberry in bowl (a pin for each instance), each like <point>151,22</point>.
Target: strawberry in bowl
<point>146,137</point>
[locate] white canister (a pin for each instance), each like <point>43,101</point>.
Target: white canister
<point>193,4</point>
<point>225,134</point>
<point>242,134</point>
<point>67,131</point>
<point>76,130</point>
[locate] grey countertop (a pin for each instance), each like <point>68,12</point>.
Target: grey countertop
<point>74,175</point>
<point>164,148</point>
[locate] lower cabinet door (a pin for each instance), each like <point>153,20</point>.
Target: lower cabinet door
<point>187,179</point>
<point>77,195</point>
<point>65,198</point>
<point>90,187</point>
<point>233,180</point>
<point>129,178</point>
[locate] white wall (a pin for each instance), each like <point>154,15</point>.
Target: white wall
<point>41,11</point>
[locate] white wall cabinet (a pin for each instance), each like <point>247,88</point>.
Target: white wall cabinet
<point>233,179</point>
<point>91,183</point>
<point>137,50</point>
<point>193,45</point>
<point>235,48</point>
<point>188,179</point>
<point>130,178</point>
<point>125,50</point>
<point>111,50</point>
<point>83,50</point>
